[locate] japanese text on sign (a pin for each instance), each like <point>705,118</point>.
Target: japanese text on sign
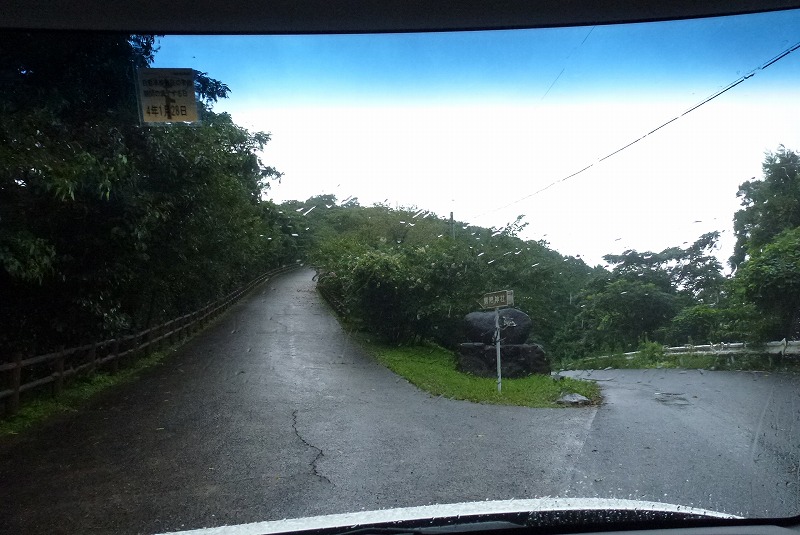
<point>504,298</point>
<point>167,95</point>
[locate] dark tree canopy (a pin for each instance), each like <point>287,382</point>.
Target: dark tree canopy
<point>771,280</point>
<point>106,225</point>
<point>770,205</point>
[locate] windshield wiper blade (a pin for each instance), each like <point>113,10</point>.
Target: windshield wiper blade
<point>459,527</point>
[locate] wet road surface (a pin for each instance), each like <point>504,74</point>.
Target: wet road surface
<point>274,412</point>
<point>727,441</point>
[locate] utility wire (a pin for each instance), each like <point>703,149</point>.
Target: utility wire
<point>725,89</point>
<point>566,60</point>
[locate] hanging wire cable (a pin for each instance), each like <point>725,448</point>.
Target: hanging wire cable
<point>725,89</point>
<point>565,61</point>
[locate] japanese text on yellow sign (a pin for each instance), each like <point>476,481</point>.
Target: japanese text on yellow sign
<point>167,95</point>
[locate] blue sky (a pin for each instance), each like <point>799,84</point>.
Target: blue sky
<point>517,64</point>
<point>434,120</point>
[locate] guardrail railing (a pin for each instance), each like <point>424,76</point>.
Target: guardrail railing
<point>781,347</point>
<point>25,373</point>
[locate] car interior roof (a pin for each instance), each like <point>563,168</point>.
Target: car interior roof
<point>353,16</point>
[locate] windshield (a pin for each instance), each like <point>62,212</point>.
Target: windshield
<point>295,275</point>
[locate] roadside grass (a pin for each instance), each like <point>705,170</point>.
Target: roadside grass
<point>43,406</point>
<point>433,369</point>
<point>691,361</point>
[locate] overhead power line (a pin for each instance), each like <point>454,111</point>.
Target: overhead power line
<point>725,89</point>
<point>566,61</point>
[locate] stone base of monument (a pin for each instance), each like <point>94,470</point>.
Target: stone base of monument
<point>516,360</point>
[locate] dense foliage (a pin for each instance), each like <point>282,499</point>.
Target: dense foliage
<point>409,274</point>
<point>107,226</point>
<point>767,249</point>
<point>769,206</point>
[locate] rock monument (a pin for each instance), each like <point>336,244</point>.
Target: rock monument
<point>518,359</point>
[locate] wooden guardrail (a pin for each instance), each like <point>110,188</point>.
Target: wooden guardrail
<point>51,370</point>
<point>335,303</point>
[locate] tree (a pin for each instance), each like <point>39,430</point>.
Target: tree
<point>770,205</point>
<point>617,313</point>
<point>771,280</point>
<point>106,225</point>
<point>405,276</point>
<point>693,272</point>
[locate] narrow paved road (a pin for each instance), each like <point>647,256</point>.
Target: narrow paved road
<point>728,441</point>
<point>274,412</point>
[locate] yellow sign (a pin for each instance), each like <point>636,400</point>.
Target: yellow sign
<point>167,96</point>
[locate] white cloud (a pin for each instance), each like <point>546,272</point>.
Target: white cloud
<point>472,159</point>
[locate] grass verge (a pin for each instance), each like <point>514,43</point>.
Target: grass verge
<point>75,395</point>
<point>42,406</point>
<point>433,369</point>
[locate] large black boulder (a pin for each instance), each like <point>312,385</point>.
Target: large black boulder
<point>518,360</point>
<point>515,326</point>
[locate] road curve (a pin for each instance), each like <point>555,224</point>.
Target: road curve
<point>726,441</point>
<point>273,412</point>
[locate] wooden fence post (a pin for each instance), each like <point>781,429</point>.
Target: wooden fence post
<point>16,378</point>
<point>93,357</point>
<point>58,384</point>
<point>147,337</point>
<point>115,355</point>
<point>160,331</point>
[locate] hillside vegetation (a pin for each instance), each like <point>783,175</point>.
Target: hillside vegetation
<point>108,227</point>
<point>410,275</point>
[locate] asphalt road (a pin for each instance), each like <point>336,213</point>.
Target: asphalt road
<point>274,412</point>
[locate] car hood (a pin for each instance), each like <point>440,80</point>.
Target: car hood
<point>542,512</point>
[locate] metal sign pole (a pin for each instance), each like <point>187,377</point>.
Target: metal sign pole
<point>497,347</point>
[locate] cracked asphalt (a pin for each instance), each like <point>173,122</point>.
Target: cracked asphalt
<point>273,412</point>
